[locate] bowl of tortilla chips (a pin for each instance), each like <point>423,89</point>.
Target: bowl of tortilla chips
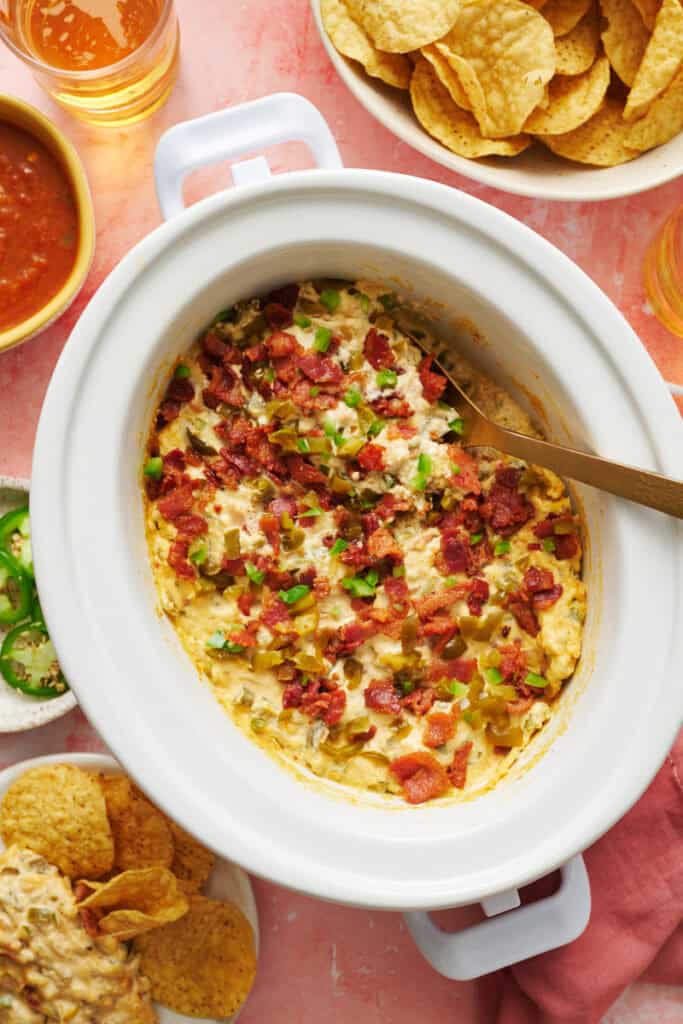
<point>556,99</point>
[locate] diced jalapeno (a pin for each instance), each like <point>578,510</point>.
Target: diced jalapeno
<point>502,547</point>
<point>302,321</point>
<point>154,467</point>
<point>386,378</point>
<point>457,425</point>
<point>323,337</point>
<point>294,593</point>
<point>182,372</point>
<point>353,398</point>
<point>330,299</point>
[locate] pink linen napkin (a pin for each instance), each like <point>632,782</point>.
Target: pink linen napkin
<point>636,924</point>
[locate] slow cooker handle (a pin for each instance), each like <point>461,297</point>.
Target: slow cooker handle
<point>247,128</point>
<point>512,933</point>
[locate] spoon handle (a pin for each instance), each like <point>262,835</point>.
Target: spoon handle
<point>639,485</point>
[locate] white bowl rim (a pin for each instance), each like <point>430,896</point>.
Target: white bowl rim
<point>493,172</point>
<point>536,253</point>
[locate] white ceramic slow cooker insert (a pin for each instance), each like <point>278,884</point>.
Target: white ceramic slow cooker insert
<point>547,328</point>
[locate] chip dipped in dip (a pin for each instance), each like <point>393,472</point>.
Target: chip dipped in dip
<point>51,969</point>
<point>368,599</point>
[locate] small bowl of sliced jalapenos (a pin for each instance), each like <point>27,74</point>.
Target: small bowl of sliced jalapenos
<point>33,690</point>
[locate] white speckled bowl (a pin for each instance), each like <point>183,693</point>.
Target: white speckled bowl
<point>536,172</point>
<point>17,711</point>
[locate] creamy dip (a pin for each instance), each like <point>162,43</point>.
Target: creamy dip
<point>366,598</point>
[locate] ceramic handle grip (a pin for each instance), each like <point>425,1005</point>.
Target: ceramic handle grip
<point>511,936</point>
<point>230,133</point>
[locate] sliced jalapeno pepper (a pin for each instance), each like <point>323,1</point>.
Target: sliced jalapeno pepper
<point>15,537</point>
<point>28,662</point>
<point>15,590</point>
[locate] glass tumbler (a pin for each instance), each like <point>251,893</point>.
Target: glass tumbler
<point>663,273</point>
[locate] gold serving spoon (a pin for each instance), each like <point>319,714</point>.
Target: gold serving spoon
<point>639,485</point>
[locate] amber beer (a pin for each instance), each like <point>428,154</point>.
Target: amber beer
<point>108,61</point>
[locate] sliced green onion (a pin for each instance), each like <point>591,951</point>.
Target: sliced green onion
<point>388,300</point>
<point>424,464</point>
<point>302,321</point>
<point>199,554</point>
<point>294,593</point>
<point>315,390</point>
<point>353,398</point>
<point>457,425</point>
<point>372,577</point>
<point>493,675</point>
<point>182,372</point>
<point>398,571</point>
<point>303,445</point>
<point>407,686</point>
<point>533,679</point>
<point>451,581</point>
<point>457,689</point>
<point>502,547</point>
<point>225,315</point>
<point>217,642</point>
<point>376,427</point>
<point>154,467</point>
<point>255,575</point>
<point>386,378</point>
<point>475,538</point>
<point>332,432</point>
<point>358,587</point>
<point>419,482</point>
<point>549,545</point>
<point>269,374</point>
<point>330,299</point>
<point>364,302</point>
<point>456,469</point>
<point>315,511</point>
<point>323,337</point>
<point>339,546</point>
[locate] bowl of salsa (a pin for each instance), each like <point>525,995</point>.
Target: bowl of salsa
<point>47,227</point>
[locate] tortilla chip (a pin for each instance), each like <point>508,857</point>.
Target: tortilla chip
<point>454,128</point>
<point>58,811</point>
<point>192,862</point>
<point>351,39</point>
<point>398,26</point>
<point>448,76</point>
<point>564,15</point>
<point>648,11</point>
<point>662,59</point>
<point>134,902</point>
<point>142,838</point>
<point>663,120</point>
<point>504,54</point>
<point>573,101</point>
<point>204,964</point>
<point>601,141</point>
<point>576,52</point>
<point>625,39</point>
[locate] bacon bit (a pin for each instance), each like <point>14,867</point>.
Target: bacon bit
<point>291,695</point>
<point>468,477</point>
<point>278,316</point>
<point>245,601</point>
<point>398,429</point>
<point>303,472</point>
<point>356,555</point>
<point>381,544</point>
<point>321,369</point>
<point>508,476</point>
<point>427,606</point>
<point>270,525</point>
<point>419,701</point>
<point>336,706</point>
<point>274,612</point>
<point>457,769</point>
<point>440,728</point>
<point>286,296</point>
<point>214,346</point>
<point>224,386</point>
<point>439,626</point>
<point>377,350</point>
<point>235,566</point>
<point>178,503</point>
<point>478,596</point>
<point>281,344</point>
<point>256,353</point>
<point>533,547</point>
<point>283,504</point>
<point>566,546</point>
<point>221,474</point>
<point>524,614</point>
<point>392,406</point>
<point>244,637</point>
<point>513,663</point>
<point>319,702</point>
<point>546,598</point>
<point>459,555</point>
<point>518,707</point>
<point>190,525</point>
<point>371,457</point>
<point>321,586</point>
<point>178,560</point>
<point>388,507</point>
<point>180,390</point>
<point>349,637</point>
<point>371,522</point>
<point>90,919</point>
<point>433,384</point>
<point>381,696</point>
<point>536,579</point>
<point>363,737</point>
<point>174,460</point>
<point>300,395</point>
<point>505,508</point>
<point>421,776</point>
<point>396,590</point>
<point>461,669</point>
<point>242,463</point>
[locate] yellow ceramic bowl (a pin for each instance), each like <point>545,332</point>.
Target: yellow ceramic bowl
<point>16,112</point>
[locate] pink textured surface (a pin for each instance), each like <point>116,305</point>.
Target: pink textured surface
<point>319,961</point>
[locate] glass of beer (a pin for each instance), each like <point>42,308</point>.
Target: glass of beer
<point>106,61</point>
<point>663,273</point>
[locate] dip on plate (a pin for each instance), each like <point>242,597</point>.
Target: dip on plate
<point>367,599</point>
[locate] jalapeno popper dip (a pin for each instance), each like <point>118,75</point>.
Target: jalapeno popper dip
<point>51,969</point>
<point>367,599</point>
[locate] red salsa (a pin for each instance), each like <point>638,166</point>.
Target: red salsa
<point>38,226</point>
